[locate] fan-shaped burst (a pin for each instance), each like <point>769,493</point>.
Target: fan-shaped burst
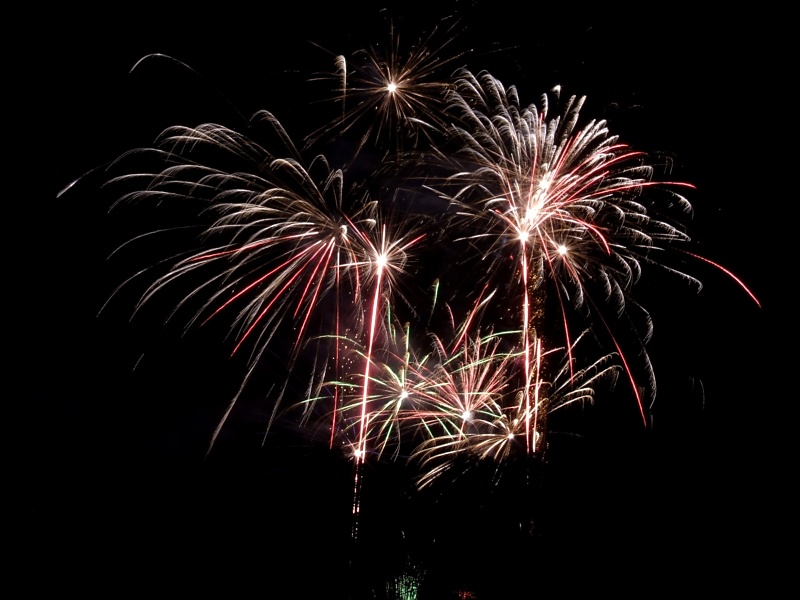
<point>282,238</point>
<point>479,410</point>
<point>415,396</point>
<point>453,404</point>
<point>564,201</point>
<point>395,385</point>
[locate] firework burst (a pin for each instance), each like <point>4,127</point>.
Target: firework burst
<point>281,241</point>
<point>391,97</point>
<point>552,219</point>
<point>478,409</point>
<point>545,199</point>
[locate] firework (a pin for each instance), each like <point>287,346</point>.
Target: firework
<point>553,218</point>
<point>280,239</point>
<point>479,414</point>
<point>549,203</point>
<point>389,98</point>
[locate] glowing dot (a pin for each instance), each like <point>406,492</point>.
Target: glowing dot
<point>466,415</point>
<point>533,211</point>
<point>562,250</point>
<point>358,453</point>
<point>523,236</point>
<point>403,395</point>
<point>545,181</point>
<point>392,87</point>
<point>510,436</point>
<point>380,260</point>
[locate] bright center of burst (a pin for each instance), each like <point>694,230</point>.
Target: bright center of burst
<point>562,250</point>
<point>403,395</point>
<point>391,87</point>
<point>380,260</point>
<point>466,415</point>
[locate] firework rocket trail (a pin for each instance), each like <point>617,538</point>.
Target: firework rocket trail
<point>384,262</point>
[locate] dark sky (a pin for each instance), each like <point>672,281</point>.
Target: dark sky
<point>117,491</point>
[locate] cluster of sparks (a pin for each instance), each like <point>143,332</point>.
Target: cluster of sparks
<point>481,279</point>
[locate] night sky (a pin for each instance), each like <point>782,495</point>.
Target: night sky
<point>117,492</point>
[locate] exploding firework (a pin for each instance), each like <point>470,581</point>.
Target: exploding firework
<point>478,413</point>
<point>549,203</point>
<point>389,98</point>
<point>281,240</point>
<point>553,218</point>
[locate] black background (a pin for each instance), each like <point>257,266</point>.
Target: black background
<point>117,493</point>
